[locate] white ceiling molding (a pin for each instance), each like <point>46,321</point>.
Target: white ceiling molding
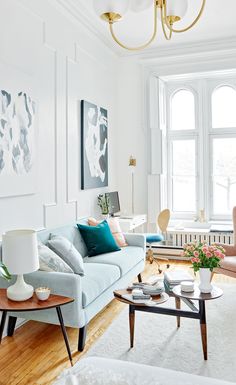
<point>77,12</point>
<point>83,14</point>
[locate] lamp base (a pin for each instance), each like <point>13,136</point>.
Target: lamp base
<point>20,291</point>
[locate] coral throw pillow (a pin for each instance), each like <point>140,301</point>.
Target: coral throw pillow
<point>115,229</point>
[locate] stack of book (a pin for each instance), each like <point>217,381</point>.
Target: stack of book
<point>175,277</point>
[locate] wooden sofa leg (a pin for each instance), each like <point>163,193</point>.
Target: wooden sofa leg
<point>11,326</point>
<point>82,338</point>
<point>139,278</point>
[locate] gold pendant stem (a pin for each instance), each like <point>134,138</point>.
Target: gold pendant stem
<point>187,28</point>
<point>163,25</point>
<point>143,45</point>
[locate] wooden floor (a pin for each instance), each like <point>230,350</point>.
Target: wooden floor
<point>37,355</point>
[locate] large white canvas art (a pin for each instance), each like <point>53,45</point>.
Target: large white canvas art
<point>17,137</point>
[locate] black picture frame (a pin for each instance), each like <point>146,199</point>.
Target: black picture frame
<point>94,146</point>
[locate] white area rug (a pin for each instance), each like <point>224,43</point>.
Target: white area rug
<point>159,343</point>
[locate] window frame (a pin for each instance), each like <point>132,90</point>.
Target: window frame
<point>202,89</point>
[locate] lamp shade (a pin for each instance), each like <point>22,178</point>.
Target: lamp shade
<point>140,5</point>
<point>114,6</point>
<point>176,7</point>
<point>20,251</point>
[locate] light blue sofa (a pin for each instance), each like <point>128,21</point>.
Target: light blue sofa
<point>93,291</point>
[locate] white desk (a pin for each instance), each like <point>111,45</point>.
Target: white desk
<point>128,224</point>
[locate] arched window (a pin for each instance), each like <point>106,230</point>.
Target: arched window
<point>224,107</point>
<point>183,110</point>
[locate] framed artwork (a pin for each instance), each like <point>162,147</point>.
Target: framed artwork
<point>94,146</point>
<point>17,134</point>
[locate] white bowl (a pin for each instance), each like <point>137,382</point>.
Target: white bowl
<point>42,293</point>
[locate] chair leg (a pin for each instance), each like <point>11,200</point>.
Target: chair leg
<point>150,257</point>
<point>82,338</point>
<point>139,278</point>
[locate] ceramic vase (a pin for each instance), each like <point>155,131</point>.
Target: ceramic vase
<point>205,285</point>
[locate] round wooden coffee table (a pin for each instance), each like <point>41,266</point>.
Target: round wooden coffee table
<point>188,298</point>
<point>32,304</point>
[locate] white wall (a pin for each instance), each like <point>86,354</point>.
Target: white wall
<point>63,64</point>
<point>132,137</point>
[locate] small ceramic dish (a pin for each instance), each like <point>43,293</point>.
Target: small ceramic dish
<point>42,293</point>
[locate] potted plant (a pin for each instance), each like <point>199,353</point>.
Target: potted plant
<point>104,205</point>
<point>205,259</point>
<point>4,272</point>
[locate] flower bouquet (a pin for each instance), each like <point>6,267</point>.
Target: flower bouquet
<point>204,259</point>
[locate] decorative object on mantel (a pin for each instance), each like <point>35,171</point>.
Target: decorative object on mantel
<point>103,204</point>
<point>132,165</point>
<point>204,259</point>
<point>171,11</point>
<point>94,146</point>
<point>20,254</point>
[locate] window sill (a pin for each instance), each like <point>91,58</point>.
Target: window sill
<point>178,224</point>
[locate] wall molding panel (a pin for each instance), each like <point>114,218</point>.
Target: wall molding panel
<point>52,50</point>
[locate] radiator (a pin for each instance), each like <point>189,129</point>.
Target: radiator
<point>178,238</point>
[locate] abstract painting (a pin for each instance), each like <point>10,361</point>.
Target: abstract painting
<point>17,136</point>
<point>94,146</point>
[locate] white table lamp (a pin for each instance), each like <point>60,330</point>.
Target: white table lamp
<point>20,255</point>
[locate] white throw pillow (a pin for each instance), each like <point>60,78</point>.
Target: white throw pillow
<point>50,261</point>
<point>66,250</point>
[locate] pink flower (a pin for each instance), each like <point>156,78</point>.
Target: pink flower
<point>195,260</point>
<point>208,254</point>
<point>217,253</point>
<point>221,256</point>
<point>205,249</point>
<point>196,254</point>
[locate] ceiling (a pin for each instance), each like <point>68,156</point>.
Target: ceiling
<point>215,24</point>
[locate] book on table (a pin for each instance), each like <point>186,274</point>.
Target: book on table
<point>175,277</point>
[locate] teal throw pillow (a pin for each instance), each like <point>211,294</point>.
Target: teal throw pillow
<point>98,239</point>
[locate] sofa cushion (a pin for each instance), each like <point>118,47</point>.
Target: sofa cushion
<point>98,239</point>
<point>125,259</point>
<point>115,228</point>
<point>228,263</point>
<point>98,278</point>
<point>50,261</point>
<point>66,250</point>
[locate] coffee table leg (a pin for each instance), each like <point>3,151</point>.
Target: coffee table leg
<point>131,324</point>
<point>178,306</point>
<point>63,329</point>
<point>203,325</point>
<point>3,321</point>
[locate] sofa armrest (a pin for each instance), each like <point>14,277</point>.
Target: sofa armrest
<point>68,285</point>
<point>136,239</point>
<point>230,250</point>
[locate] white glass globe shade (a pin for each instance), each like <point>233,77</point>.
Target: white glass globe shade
<point>176,8</point>
<point>141,5</point>
<point>115,6</point>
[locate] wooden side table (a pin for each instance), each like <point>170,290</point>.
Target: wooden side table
<point>33,304</point>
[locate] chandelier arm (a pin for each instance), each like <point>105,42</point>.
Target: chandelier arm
<point>163,25</point>
<point>143,45</point>
<point>190,26</point>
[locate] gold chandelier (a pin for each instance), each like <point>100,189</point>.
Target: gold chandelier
<point>171,11</point>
